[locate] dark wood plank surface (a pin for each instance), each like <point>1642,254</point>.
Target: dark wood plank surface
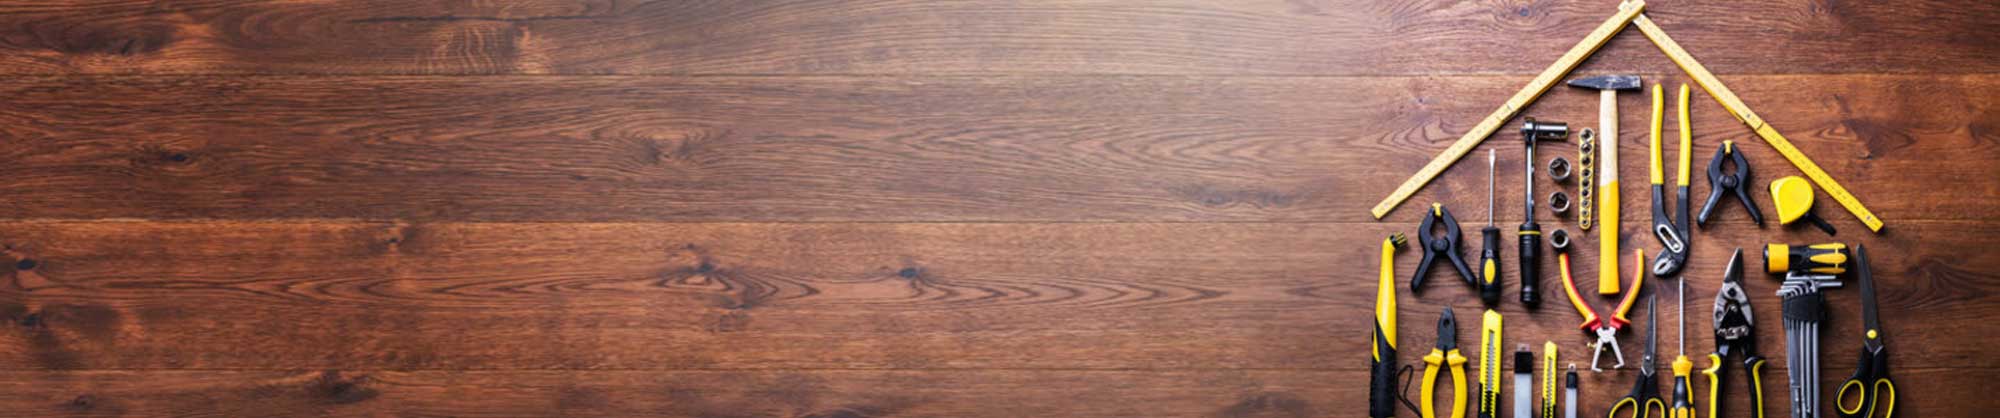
<point>900,149</point>
<point>896,208</point>
<point>910,37</point>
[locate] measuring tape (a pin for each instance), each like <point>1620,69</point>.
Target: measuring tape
<point>1521,99</point>
<point>1728,99</point>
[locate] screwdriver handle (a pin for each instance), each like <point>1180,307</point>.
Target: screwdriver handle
<point>1682,407</point>
<point>1489,266</point>
<point>1829,258</point>
<point>1531,265</point>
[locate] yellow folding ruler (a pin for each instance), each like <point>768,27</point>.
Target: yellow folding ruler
<point>1630,12</point>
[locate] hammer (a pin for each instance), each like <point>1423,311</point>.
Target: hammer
<point>1607,87</point>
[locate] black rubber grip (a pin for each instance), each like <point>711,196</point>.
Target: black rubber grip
<point>1531,265</point>
<point>1489,287</point>
<point>1382,381</point>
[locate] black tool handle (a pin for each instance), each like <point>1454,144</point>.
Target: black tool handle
<point>1531,266</point>
<point>1382,379</point>
<point>1489,266</point>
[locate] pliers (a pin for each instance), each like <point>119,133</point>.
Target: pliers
<point>1445,355</point>
<point>1673,236</point>
<point>1435,245</point>
<point>1737,183</point>
<point>1734,332</point>
<point>1605,329</point>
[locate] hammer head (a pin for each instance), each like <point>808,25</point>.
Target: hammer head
<point>1607,82</point>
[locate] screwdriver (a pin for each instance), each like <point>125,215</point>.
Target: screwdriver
<point>1829,259</point>
<point>1489,257</point>
<point>1682,406</point>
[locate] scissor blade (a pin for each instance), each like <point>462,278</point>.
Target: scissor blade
<point>1652,335</point>
<point>1872,334</point>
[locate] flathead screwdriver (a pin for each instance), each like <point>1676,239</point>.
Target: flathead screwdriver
<point>1489,257</point>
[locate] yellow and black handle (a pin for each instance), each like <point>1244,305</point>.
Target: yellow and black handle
<point>1714,373</point>
<point>1382,358</point>
<point>1829,258</point>
<point>1489,266</point>
<point>1682,407</point>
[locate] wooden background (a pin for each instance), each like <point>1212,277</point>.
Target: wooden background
<point>893,207</point>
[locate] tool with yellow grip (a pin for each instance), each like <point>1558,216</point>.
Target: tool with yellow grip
<point>1870,384</point>
<point>1735,332</point>
<point>1489,365</point>
<point>1644,399</point>
<point>1828,259</point>
<point>1681,406</point>
<point>1674,235</point>
<point>1445,354</point>
<point>1382,359</point>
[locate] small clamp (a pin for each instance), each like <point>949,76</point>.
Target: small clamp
<point>1434,245</point>
<point>1737,183</point>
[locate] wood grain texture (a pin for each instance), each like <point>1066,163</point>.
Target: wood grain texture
<point>119,295</point>
<point>908,37</point>
<point>817,393</point>
<point>928,149</point>
<point>902,208</point>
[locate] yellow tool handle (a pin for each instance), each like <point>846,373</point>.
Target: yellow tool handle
<point>1756,366</point>
<point>1385,292</point>
<point>1687,141</point>
<point>1607,237</point>
<point>1429,396</point>
<point>1714,373</point>
<point>1631,295</point>
<point>1757,385</point>
<point>1457,384</point>
<point>1682,406</point>
<point>1653,170</point>
<point>1729,101</point>
<point>1569,288</point>
<point>1521,99</point>
<point>1828,258</point>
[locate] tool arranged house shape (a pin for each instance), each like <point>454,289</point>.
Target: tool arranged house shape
<point>1629,12</point>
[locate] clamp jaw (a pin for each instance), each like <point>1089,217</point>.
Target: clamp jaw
<point>1435,245</point>
<point>1736,183</point>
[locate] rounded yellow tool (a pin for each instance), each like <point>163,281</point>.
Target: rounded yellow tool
<point>1794,199</point>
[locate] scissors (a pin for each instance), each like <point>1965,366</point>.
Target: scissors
<point>1645,397</point>
<point>1873,373</point>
